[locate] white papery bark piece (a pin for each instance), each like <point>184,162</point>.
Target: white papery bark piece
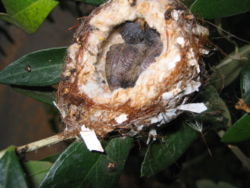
<point>90,139</point>
<point>121,118</point>
<point>151,135</point>
<point>193,107</point>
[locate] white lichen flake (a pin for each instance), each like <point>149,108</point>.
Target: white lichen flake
<point>175,14</point>
<point>192,87</point>
<point>167,96</point>
<point>151,135</point>
<point>121,118</point>
<point>180,41</point>
<point>193,107</point>
<point>90,139</point>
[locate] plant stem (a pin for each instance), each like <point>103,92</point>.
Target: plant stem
<point>238,153</point>
<point>42,143</point>
<point>241,156</point>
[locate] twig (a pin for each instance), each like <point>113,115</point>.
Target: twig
<point>228,33</point>
<point>238,153</point>
<point>42,143</point>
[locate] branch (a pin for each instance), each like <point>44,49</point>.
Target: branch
<point>42,143</point>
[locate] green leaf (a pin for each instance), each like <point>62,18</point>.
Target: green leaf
<point>78,167</point>
<point>188,2</point>
<point>245,83</point>
<point>37,171</point>
<point>93,2</point>
<point>239,131</point>
<point>51,158</point>
<point>11,172</point>
<point>229,68</point>
<point>205,183</point>
<point>160,155</point>
<point>44,95</point>
<point>217,113</point>
<point>27,14</point>
<point>211,9</point>
<point>39,68</point>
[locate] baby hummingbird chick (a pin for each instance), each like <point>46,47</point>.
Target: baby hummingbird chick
<point>123,65</point>
<point>126,61</point>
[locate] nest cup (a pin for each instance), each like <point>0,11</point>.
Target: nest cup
<point>96,90</point>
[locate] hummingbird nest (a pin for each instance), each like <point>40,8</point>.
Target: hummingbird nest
<point>133,63</point>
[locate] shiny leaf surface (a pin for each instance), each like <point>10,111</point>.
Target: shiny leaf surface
<point>37,171</point>
<point>78,167</point>
<point>27,14</point>
<point>43,95</point>
<point>239,131</point>
<point>160,155</point>
<point>39,68</point>
<point>219,8</point>
<point>11,172</point>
